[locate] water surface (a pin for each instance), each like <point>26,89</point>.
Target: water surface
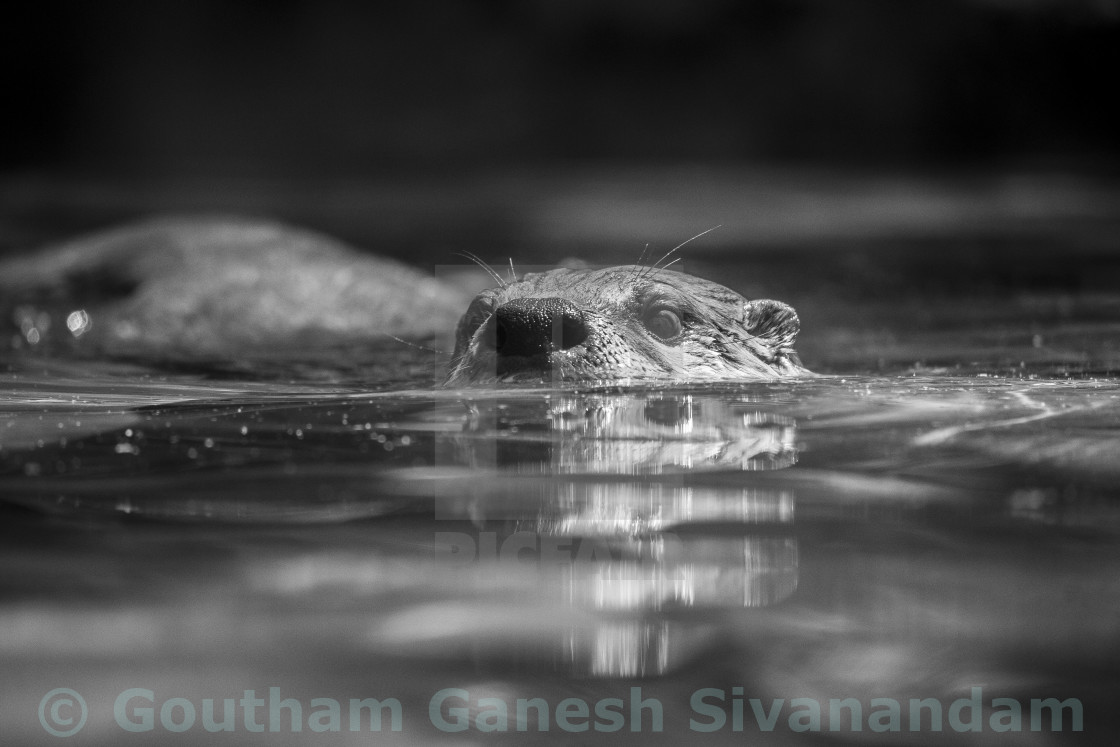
<point>855,536</point>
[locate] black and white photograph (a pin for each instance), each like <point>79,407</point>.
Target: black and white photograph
<point>518,372</point>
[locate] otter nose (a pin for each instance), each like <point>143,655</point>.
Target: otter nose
<point>529,326</point>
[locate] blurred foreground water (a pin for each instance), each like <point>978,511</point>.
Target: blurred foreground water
<point>939,513</point>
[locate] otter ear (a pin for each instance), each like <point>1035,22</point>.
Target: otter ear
<point>772,320</point>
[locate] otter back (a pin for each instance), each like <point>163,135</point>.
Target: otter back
<point>218,288</point>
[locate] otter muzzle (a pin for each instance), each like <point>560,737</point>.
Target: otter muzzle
<point>526,327</point>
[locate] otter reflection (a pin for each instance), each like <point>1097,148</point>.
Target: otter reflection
<point>624,435</point>
<point>598,496</point>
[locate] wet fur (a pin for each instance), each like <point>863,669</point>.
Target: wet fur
<point>724,336</point>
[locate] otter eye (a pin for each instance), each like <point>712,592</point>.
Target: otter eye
<point>662,322</point>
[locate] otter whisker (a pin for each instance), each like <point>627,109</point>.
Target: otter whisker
<point>489,270</point>
<point>635,276</point>
<point>414,345</point>
<point>668,265</point>
<point>512,272</point>
<point>653,271</point>
<point>664,257</point>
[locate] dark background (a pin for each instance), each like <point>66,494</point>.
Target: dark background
<point>296,89</point>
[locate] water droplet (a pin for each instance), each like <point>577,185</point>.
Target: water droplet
<point>78,322</point>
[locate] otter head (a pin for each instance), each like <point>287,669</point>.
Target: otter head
<point>621,323</point>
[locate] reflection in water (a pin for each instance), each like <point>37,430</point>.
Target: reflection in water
<point>688,572</point>
<point>626,435</point>
<point>630,509</point>
<point>627,549</point>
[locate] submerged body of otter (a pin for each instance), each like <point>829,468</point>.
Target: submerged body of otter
<point>206,289</point>
<point>622,323</point>
<point>216,289</point>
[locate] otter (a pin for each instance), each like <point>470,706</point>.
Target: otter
<point>212,289</point>
<point>631,322</point>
